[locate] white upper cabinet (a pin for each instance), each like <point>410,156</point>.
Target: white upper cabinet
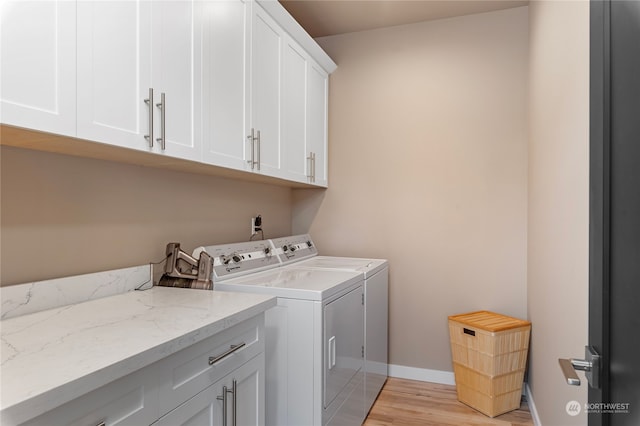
<point>317,124</point>
<point>288,103</point>
<point>265,117</point>
<point>176,72</point>
<point>138,75</point>
<point>225,86</point>
<point>230,83</point>
<point>304,116</point>
<point>114,72</point>
<point>38,65</point>
<point>294,111</point>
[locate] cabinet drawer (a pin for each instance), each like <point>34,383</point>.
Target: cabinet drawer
<point>193,369</point>
<point>245,390</point>
<point>131,400</point>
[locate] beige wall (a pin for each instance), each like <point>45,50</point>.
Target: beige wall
<point>558,201</point>
<point>428,168</point>
<point>64,215</point>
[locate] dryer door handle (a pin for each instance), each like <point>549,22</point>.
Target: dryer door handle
<point>332,352</point>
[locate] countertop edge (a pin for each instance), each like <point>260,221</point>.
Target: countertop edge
<point>50,399</point>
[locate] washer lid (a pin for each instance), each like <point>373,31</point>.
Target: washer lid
<point>294,283</point>
<point>367,266</point>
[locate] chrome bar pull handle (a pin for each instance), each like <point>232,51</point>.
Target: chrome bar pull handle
<point>232,349</point>
<point>253,149</point>
<point>223,398</point>
<point>313,164</point>
<point>149,137</point>
<point>234,402</point>
<point>163,108</point>
<point>259,148</point>
<point>309,167</point>
<point>312,167</point>
<point>254,137</point>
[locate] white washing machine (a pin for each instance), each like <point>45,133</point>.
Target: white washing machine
<point>300,251</point>
<point>314,336</point>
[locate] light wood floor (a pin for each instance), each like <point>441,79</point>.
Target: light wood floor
<point>413,403</point>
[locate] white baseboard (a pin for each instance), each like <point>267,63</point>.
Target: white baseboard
<point>422,374</point>
<point>532,406</point>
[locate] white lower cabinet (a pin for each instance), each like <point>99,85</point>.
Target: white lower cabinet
<point>182,389</point>
<point>131,400</point>
<point>236,399</point>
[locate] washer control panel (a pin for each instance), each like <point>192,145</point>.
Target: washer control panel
<point>294,248</point>
<point>232,260</point>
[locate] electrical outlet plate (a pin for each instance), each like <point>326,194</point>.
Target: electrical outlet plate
<point>256,224</point>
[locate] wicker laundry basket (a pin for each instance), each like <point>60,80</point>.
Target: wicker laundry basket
<point>489,358</point>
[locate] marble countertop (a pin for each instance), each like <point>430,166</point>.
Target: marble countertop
<point>54,356</point>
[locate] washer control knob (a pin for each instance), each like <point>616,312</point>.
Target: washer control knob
<point>236,258</point>
<point>309,244</point>
<point>292,247</point>
<point>225,260</point>
<point>285,248</point>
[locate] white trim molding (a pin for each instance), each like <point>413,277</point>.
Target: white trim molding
<point>532,406</point>
<point>422,374</point>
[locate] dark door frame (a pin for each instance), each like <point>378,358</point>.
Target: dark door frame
<point>599,195</point>
<point>614,209</point>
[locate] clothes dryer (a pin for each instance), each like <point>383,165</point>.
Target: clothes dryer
<point>300,251</point>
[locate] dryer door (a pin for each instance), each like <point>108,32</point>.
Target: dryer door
<point>343,342</point>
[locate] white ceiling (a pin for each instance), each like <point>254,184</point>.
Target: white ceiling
<point>329,17</point>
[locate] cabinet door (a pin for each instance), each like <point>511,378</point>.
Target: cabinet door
<point>38,65</point>
<point>114,72</point>
<point>225,104</point>
<point>294,111</point>
<point>175,72</point>
<point>206,408</point>
<point>317,95</point>
<point>201,410</point>
<point>225,107</point>
<point>188,371</point>
<point>129,401</point>
<point>250,392</point>
<point>266,60</point>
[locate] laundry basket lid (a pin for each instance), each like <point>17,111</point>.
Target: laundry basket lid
<point>489,321</point>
